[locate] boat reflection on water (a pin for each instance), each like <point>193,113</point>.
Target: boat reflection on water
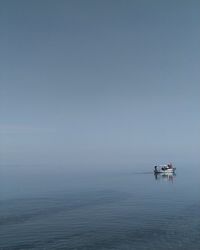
<point>165,176</point>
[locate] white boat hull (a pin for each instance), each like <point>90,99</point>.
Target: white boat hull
<point>168,171</point>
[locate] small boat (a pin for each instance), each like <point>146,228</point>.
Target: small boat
<point>164,169</point>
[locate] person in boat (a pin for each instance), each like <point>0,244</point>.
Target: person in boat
<point>165,168</point>
<point>156,169</point>
<point>169,166</point>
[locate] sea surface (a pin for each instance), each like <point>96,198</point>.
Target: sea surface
<point>53,207</point>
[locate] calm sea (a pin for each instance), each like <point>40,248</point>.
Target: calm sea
<point>122,208</point>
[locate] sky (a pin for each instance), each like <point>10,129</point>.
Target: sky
<point>99,82</point>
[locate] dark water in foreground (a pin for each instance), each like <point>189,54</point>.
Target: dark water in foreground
<point>123,209</point>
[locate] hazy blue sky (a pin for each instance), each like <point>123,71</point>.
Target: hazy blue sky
<point>99,82</point>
